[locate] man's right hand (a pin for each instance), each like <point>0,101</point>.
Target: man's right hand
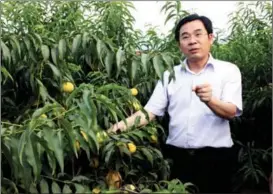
<point>121,126</point>
<point>116,127</point>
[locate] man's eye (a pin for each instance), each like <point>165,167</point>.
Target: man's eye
<point>185,37</point>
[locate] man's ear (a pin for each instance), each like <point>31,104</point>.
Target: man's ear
<point>211,38</point>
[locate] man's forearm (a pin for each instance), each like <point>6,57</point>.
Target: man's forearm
<point>222,109</point>
<point>131,120</point>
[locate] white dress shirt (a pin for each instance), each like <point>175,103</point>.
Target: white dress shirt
<point>192,123</point>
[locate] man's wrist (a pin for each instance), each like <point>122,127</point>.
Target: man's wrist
<point>212,101</point>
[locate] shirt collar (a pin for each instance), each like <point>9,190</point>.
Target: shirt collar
<point>211,62</point>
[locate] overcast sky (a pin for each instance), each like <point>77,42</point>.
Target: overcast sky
<point>148,12</point>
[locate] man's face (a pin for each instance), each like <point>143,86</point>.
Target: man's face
<point>194,40</point>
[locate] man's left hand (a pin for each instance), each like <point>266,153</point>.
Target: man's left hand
<point>204,92</point>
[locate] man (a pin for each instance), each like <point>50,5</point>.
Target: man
<point>206,94</point>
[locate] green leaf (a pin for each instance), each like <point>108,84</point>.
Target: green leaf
<point>85,40</point>
<point>28,44</point>
<point>43,91</point>
<point>144,62</point>
<point>7,152</point>
<point>170,16</point>
<point>69,131</point>
<point>168,60</point>
<point>81,189</point>
<point>80,178</point>
<point>109,154</point>
<point>101,49</point>
<point>76,44</point>
<point>106,148</point>
<point>94,113</point>
<point>37,37</point>
<point>158,153</point>
<point>109,59</point>
<point>66,189</point>
<point>133,70</point>
<point>114,110</point>
<point>6,52</point>
<point>45,52</point>
<point>44,187</point>
<point>6,73</point>
<point>33,188</point>
<point>54,55</point>
<point>55,188</point>
<point>158,66</point>
<point>146,191</point>
<point>148,155</point>
<point>120,58</point>
<point>32,156</point>
<point>54,69</point>
<point>124,149</point>
<point>16,45</point>
<point>22,145</point>
<point>55,145</point>
<point>88,59</point>
<point>62,49</point>
<point>46,108</point>
<point>113,191</point>
<point>6,182</point>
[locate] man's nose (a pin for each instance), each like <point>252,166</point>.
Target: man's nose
<point>192,40</point>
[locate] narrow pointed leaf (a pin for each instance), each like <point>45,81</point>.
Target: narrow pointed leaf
<point>108,155</point>
<point>55,188</point>
<point>66,189</point>
<point>120,58</point>
<point>32,156</point>
<point>69,131</point>
<point>55,145</point>
<point>54,55</point>
<point>109,60</point>
<point>22,145</point>
<point>62,49</point>
<point>44,187</point>
<point>148,155</point>
<point>85,40</point>
<point>45,52</point>
<point>54,69</point>
<point>76,44</point>
<point>6,52</point>
<point>6,73</point>
<point>133,70</point>
<point>144,62</point>
<point>101,49</point>
<point>158,66</point>
<point>38,38</point>
<point>16,45</point>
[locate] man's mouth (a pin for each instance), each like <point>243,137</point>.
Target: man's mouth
<point>193,50</point>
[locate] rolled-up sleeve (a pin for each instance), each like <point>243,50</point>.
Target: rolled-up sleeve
<point>232,91</point>
<point>157,103</point>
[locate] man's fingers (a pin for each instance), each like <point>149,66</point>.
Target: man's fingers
<point>203,90</point>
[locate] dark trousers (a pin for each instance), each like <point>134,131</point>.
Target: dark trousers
<point>209,169</point>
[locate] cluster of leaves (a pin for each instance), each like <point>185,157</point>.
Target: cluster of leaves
<point>55,137</point>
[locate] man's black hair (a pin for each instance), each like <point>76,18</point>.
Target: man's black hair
<point>206,21</point>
